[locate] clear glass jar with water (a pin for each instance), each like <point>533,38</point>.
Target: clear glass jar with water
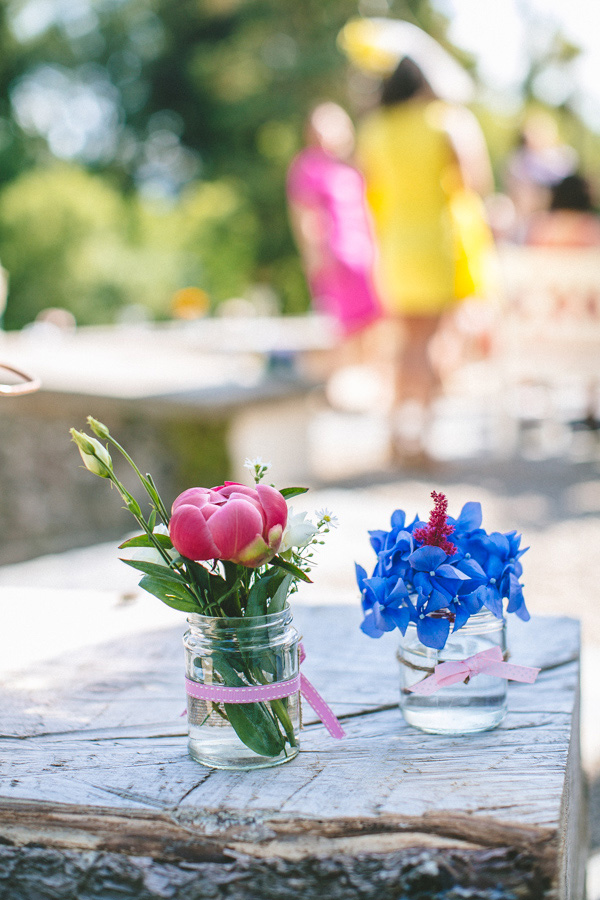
<point>460,708</point>
<point>236,652</point>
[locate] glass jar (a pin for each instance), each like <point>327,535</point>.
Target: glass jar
<point>236,652</point>
<point>460,708</point>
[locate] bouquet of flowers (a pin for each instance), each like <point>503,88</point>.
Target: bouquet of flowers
<point>440,573</point>
<point>226,551</point>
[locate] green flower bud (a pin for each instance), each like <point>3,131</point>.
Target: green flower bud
<point>133,506</point>
<point>96,458</point>
<point>98,428</point>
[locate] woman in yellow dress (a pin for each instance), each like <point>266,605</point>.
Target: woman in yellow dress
<point>425,166</point>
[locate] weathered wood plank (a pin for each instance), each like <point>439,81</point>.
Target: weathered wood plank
<point>210,835</point>
<point>93,759</point>
<point>137,679</point>
<point>410,774</point>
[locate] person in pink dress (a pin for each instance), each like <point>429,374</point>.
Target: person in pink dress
<point>330,221</point>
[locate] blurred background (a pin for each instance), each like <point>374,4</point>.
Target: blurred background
<point>144,144</point>
<point>151,277</point>
<point>149,262</point>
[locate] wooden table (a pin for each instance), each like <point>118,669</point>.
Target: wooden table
<point>99,799</point>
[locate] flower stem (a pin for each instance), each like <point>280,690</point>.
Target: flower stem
<point>129,500</point>
<point>147,482</point>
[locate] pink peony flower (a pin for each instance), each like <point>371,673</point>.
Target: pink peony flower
<point>233,522</point>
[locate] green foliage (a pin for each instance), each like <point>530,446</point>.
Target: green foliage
<point>269,587</point>
<point>253,722</point>
<point>216,89</point>
<point>70,239</point>
<point>214,222</point>
<point>56,228</point>
<point>199,452</point>
<point>169,593</point>
<point>291,568</point>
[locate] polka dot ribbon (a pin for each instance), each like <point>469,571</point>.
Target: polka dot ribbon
<point>488,662</point>
<point>257,693</point>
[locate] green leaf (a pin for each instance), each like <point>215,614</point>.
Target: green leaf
<point>196,571</point>
<point>152,520</point>
<point>210,583</point>
<point>279,598</point>
<point>291,568</point>
<point>144,540</point>
<point>233,571</point>
<point>156,498</point>
<point>169,593</point>
<point>279,707</point>
<point>255,728</point>
<point>252,722</point>
<point>292,492</point>
<point>262,590</point>
<point>218,590</point>
<point>220,587</point>
<point>155,570</point>
<point>229,602</point>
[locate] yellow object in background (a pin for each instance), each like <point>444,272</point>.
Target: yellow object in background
<point>190,303</point>
<point>376,45</point>
<point>360,40</point>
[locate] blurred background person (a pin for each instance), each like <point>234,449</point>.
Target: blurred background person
<point>425,165</point>
<point>330,221</point>
<point>539,161</point>
<point>571,220</point>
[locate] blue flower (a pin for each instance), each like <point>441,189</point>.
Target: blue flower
<point>468,521</point>
<point>379,540</point>
<point>516,600</point>
<point>463,607</point>
<point>498,555</point>
<point>414,579</point>
<point>385,602</point>
<point>393,559</point>
<point>433,631</point>
<point>432,571</point>
<point>393,547</point>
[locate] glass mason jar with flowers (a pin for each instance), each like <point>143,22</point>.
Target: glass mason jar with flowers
<point>229,557</point>
<point>442,584</point>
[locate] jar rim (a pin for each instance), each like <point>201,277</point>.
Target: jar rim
<point>283,616</point>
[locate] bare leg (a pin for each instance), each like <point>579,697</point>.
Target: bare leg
<point>416,384</point>
<point>417,378</point>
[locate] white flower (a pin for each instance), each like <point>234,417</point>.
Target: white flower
<point>326,516</point>
<point>254,464</point>
<point>258,468</point>
<point>298,532</point>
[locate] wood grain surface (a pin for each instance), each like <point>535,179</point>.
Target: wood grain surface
<point>95,779</point>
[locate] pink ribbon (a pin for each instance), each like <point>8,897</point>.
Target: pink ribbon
<point>256,693</point>
<point>488,662</point>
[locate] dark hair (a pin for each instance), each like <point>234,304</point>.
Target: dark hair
<point>405,81</point>
<point>573,192</point>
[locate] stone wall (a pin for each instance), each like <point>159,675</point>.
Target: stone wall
<point>50,502</point>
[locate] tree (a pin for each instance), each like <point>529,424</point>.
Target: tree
<point>156,94</point>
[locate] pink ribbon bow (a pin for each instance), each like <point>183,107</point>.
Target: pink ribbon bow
<point>488,662</point>
<point>256,693</point>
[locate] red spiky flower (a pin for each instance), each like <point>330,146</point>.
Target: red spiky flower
<point>437,531</point>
